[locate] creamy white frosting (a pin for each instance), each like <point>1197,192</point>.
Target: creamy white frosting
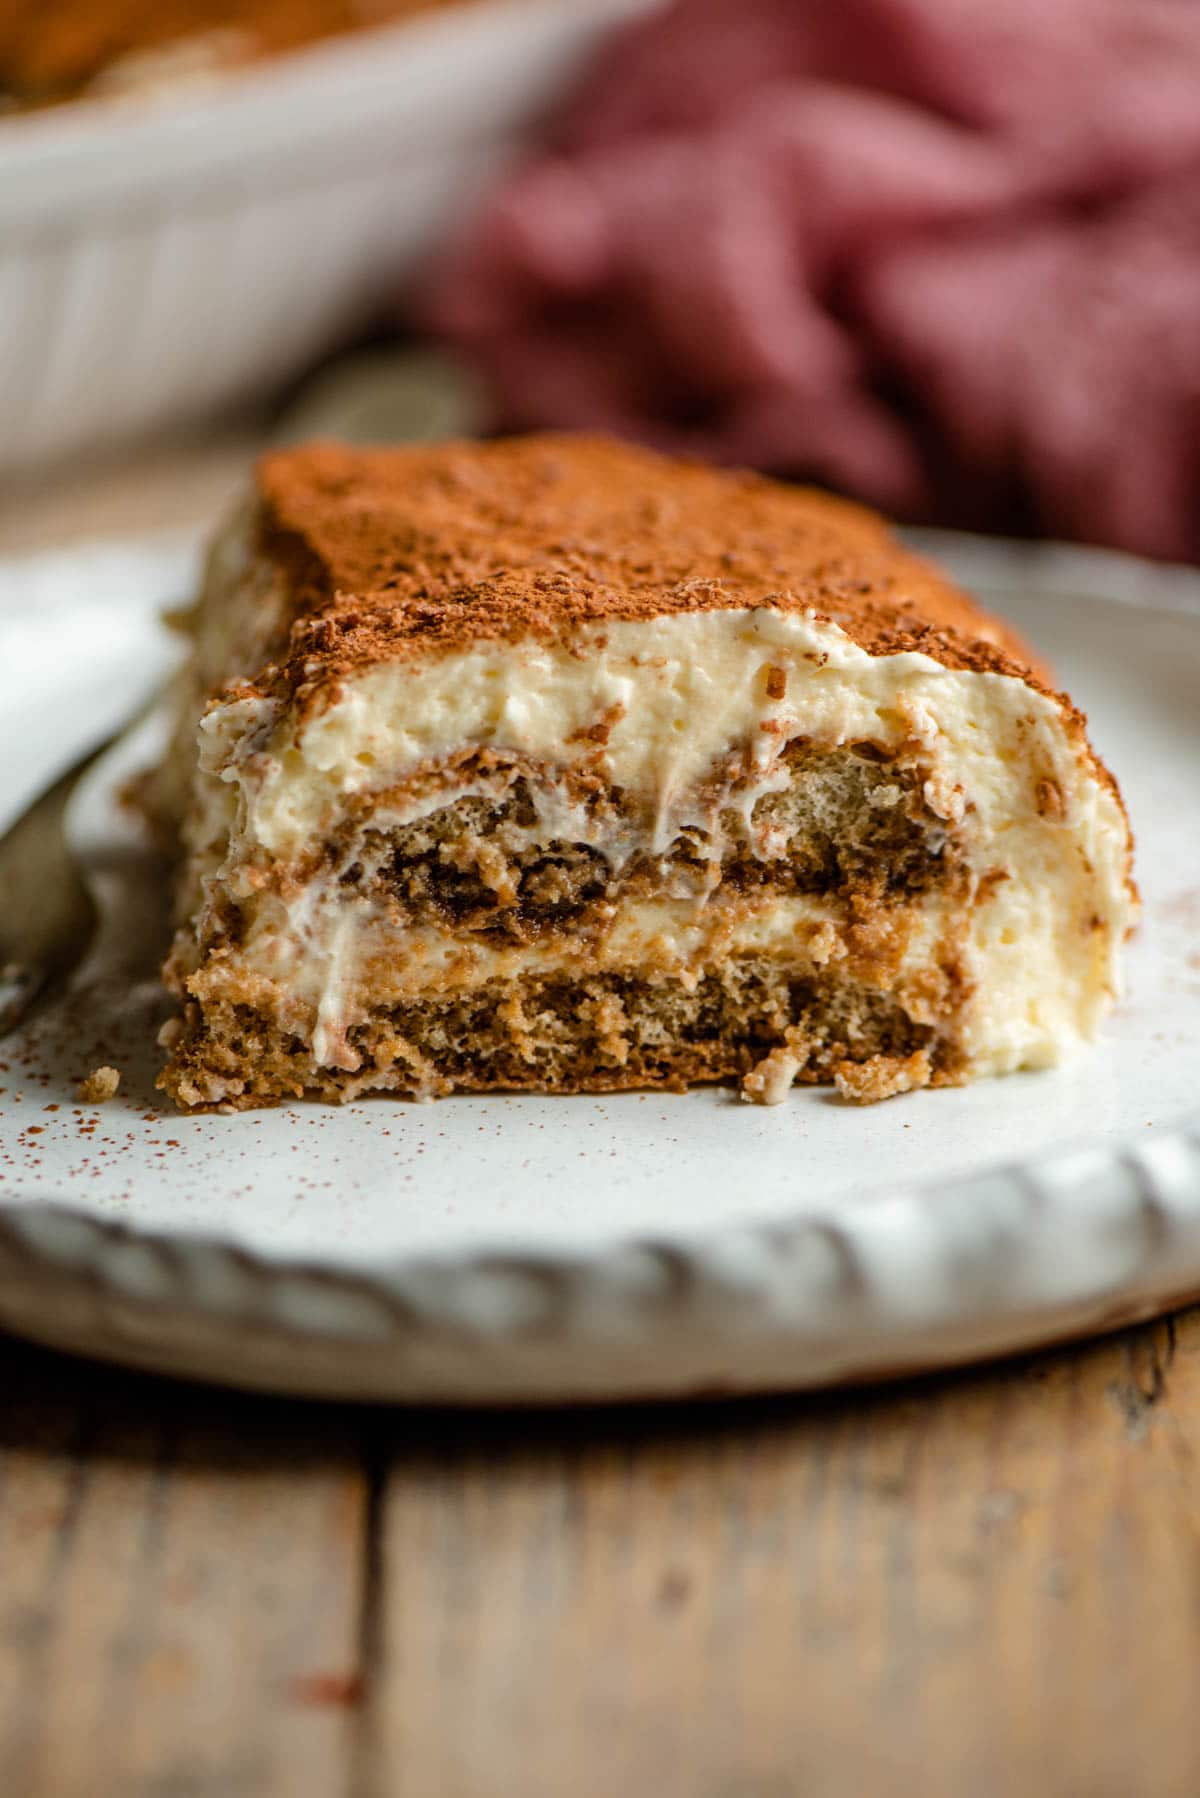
<point>683,693</point>
<point>354,956</point>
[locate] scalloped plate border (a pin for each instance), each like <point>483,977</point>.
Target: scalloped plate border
<point>814,1303</point>
<point>766,1308</point>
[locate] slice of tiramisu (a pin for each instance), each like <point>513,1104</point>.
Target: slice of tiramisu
<point>551,764</point>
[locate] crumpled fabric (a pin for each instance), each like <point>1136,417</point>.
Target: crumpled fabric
<point>944,254</point>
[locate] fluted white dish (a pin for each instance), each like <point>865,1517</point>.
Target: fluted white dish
<point>531,1249</point>
<point>165,255</point>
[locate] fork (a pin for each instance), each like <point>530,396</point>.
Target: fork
<point>47,914</point>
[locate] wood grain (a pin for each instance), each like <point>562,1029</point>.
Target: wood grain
<point>981,1585</point>
<point>179,1589</point>
<point>972,1586</point>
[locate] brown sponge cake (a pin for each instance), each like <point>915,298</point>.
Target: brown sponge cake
<point>553,764</point>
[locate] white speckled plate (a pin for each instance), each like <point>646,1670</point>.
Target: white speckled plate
<point>534,1249</point>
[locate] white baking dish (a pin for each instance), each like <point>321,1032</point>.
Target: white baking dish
<point>164,257</point>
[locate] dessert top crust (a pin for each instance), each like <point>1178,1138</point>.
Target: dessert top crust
<point>387,553</point>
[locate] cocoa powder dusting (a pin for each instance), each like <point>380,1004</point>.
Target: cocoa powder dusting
<point>390,552</point>
<point>386,554</point>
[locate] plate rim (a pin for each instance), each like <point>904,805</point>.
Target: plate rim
<point>639,1315</point>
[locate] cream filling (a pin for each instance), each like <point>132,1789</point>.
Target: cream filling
<point>681,695</point>
<point>343,960</point>
<point>340,960</point>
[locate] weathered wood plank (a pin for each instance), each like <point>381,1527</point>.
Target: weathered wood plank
<point>180,1589</point>
<point>984,1584</point>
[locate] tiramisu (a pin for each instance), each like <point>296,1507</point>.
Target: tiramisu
<point>551,764</point>
<point>56,50</point>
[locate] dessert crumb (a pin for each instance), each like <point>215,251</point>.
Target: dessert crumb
<point>100,1086</point>
<point>882,1077</point>
<point>770,1080</point>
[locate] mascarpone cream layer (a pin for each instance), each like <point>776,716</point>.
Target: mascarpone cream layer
<point>342,960</point>
<point>679,694</point>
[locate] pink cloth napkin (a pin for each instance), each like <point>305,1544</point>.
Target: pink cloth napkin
<point>942,253</point>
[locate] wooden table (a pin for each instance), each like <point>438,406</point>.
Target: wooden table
<point>971,1586</point>
<point>981,1585</point>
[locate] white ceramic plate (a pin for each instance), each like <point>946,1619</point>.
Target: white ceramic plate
<point>533,1249</point>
